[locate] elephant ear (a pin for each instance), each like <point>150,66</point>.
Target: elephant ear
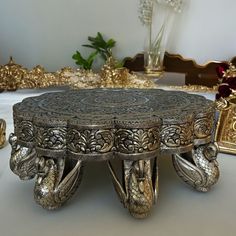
<point>118,187</point>
<point>188,171</point>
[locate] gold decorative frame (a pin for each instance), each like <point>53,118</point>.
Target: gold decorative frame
<point>199,78</point>
<point>195,88</point>
<point>225,134</point>
<point>14,76</point>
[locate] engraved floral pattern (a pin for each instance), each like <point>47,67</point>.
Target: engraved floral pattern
<point>133,121</point>
<point>137,140</point>
<point>203,126</point>
<point>51,138</point>
<point>176,135</point>
<point>25,131</point>
<point>90,141</point>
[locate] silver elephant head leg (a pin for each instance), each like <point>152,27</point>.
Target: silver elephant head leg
<point>54,186</point>
<point>198,168</point>
<point>2,132</point>
<point>22,161</point>
<point>139,188</point>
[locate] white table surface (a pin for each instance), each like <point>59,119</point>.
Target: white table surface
<point>96,210</point>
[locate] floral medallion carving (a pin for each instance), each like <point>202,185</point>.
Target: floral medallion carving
<point>51,138</point>
<point>203,125</point>
<point>137,140</point>
<point>90,141</point>
<point>26,131</point>
<point>173,136</point>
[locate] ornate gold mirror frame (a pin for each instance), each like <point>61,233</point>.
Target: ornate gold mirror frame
<point>226,129</point>
<point>225,134</point>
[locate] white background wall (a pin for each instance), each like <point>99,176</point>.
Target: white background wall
<point>47,32</point>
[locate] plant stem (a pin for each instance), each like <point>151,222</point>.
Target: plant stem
<point>150,30</point>
<point>150,37</point>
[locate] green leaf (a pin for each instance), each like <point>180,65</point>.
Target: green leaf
<point>88,46</point>
<point>92,39</point>
<point>111,43</point>
<point>97,41</point>
<point>100,39</point>
<point>84,63</point>
<point>101,47</point>
<point>78,57</point>
<point>91,57</point>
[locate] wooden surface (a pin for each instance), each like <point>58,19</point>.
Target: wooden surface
<point>195,74</point>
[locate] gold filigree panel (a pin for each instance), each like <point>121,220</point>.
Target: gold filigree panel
<point>226,128</point>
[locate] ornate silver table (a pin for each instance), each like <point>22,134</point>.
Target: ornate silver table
<point>57,133</point>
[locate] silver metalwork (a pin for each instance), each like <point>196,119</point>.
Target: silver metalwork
<point>139,190</point>
<point>2,133</point>
<point>69,128</point>
<point>199,167</point>
<point>22,161</point>
<point>52,188</point>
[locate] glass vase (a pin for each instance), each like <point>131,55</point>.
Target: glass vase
<point>154,62</point>
<point>158,35</point>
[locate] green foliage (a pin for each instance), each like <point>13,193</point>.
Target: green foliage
<point>99,44</point>
<point>84,63</point>
<point>101,47</point>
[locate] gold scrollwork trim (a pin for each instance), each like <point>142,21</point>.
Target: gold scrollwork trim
<point>195,88</point>
<point>13,76</point>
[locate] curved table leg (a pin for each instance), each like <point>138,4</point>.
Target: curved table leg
<point>139,189</point>
<point>22,161</point>
<point>57,180</point>
<point>198,168</point>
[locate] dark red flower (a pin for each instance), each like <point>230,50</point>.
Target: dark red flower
<point>224,80</point>
<point>221,69</point>
<point>224,90</point>
<point>218,96</point>
<point>231,81</point>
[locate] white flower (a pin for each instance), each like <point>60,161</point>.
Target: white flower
<point>146,11</point>
<point>146,8</point>
<point>175,4</point>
